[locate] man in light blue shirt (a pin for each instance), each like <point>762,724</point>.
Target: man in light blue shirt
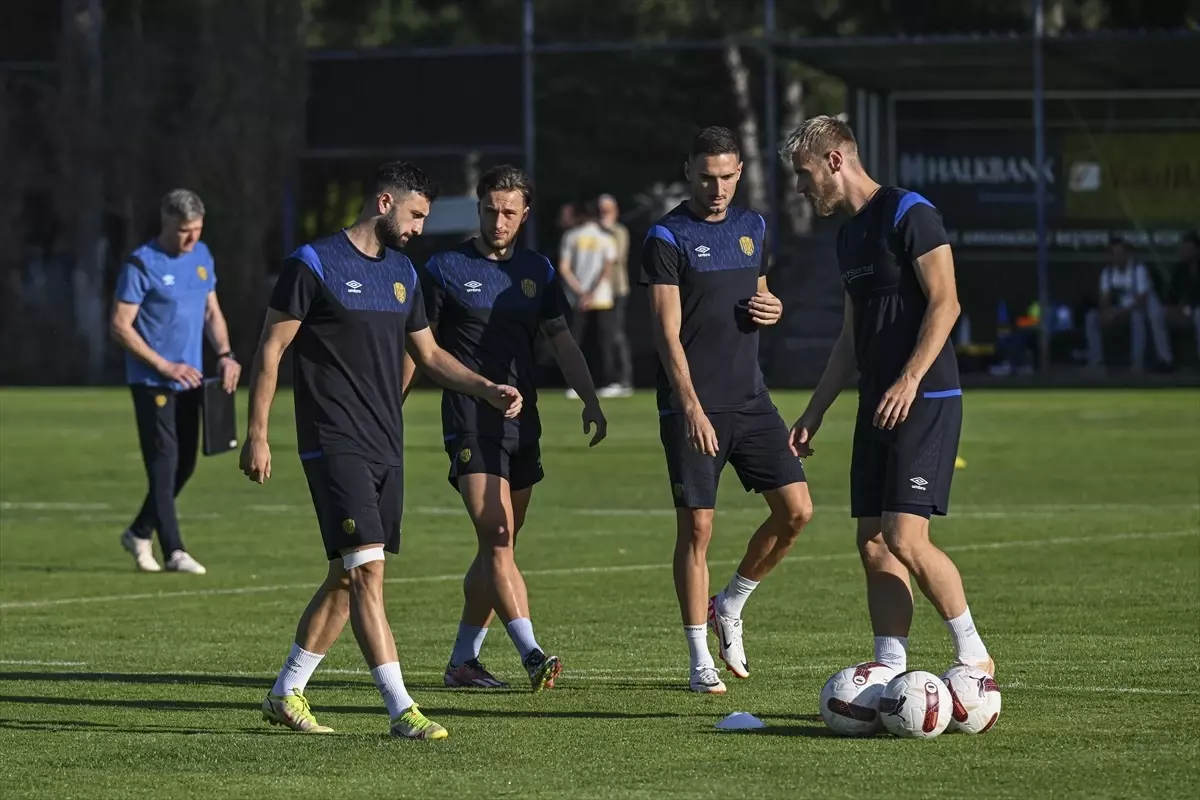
<point>165,306</point>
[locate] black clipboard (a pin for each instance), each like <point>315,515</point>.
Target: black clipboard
<point>220,418</point>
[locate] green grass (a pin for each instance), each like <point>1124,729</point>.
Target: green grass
<point>1076,525</point>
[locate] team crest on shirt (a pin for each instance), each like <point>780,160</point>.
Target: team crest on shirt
<point>529,287</point>
<point>401,292</point>
<point>202,273</point>
<point>160,400</point>
<point>464,455</point>
<point>348,526</point>
<point>747,245</point>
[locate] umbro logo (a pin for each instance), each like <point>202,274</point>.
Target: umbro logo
<point>354,286</point>
<point>168,280</point>
<point>473,286</point>
<point>918,483</point>
<point>702,251</point>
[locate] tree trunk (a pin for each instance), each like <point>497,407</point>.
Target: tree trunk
<point>84,23</point>
<point>753,176</point>
<point>797,209</point>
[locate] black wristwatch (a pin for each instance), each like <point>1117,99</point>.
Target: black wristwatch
<point>228,355</point>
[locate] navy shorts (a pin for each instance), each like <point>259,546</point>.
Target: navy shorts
<point>520,463</point>
<point>909,468</point>
<point>753,441</point>
<point>358,502</point>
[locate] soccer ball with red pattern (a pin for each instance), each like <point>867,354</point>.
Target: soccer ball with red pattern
<point>975,699</point>
<point>850,699</point>
<point>916,705</point>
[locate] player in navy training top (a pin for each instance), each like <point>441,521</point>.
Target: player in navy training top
<point>347,304</point>
<point>706,268</point>
<point>487,299</point>
<point>166,303</point>
<point>901,305</point>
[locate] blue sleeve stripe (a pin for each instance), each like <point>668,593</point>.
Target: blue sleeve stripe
<point>311,454</point>
<point>549,270</point>
<point>942,394</point>
<point>907,202</point>
<point>309,256</point>
<point>662,232</point>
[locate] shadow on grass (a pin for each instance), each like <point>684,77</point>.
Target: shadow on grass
<point>75,725</point>
<point>263,682</point>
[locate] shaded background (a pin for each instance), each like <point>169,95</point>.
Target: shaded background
<point>275,110</point>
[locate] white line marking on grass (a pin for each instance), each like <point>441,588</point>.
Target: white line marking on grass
<point>28,663</point>
<point>457,576</point>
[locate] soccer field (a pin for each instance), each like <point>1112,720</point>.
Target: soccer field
<point>1076,525</point>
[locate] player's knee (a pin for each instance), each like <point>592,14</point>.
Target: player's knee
<point>906,544</point>
<point>874,552</point>
<point>795,516</point>
<point>364,569</point>
<point>495,534</point>
<point>695,527</point>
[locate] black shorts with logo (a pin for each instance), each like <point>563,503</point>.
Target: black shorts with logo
<point>520,463</point>
<point>358,502</point>
<point>909,468</point>
<point>754,441</point>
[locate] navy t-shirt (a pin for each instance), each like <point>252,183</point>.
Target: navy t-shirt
<point>172,292</point>
<point>877,251</point>
<point>355,311</point>
<point>488,314</point>
<point>716,266</point>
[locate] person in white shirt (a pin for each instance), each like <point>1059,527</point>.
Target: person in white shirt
<point>1126,292</point>
<point>586,261</point>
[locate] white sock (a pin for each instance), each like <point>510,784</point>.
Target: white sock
<point>468,644</point>
<point>734,596</point>
<point>893,651</point>
<point>520,630</point>
<point>968,646</point>
<point>298,667</point>
<point>697,639</point>
<point>391,685</point>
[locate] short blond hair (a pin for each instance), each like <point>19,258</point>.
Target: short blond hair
<point>816,137</point>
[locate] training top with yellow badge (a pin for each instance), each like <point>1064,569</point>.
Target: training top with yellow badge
<point>487,315</point>
<point>172,292</point>
<point>716,266</point>
<point>355,311</point>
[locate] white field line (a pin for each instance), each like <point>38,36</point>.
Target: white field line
<point>33,663</point>
<point>617,568</point>
<point>650,676</point>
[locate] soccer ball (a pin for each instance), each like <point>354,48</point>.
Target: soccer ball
<point>975,699</point>
<point>915,705</point>
<point>850,699</point>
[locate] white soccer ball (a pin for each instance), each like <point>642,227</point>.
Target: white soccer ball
<point>850,699</point>
<point>915,705</point>
<point>974,697</point>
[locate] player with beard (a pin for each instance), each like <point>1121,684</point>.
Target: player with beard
<point>350,302</point>
<point>487,300</point>
<point>901,304</point>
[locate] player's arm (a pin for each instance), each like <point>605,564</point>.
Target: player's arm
<point>575,371</point>
<point>279,329</point>
<point>765,308</point>
<point>295,291</point>
<point>838,371</point>
<point>217,331</point>
<point>661,265</point>
<point>447,371</point>
<point>132,286</point>
<point>411,371</point>
<point>432,286</point>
